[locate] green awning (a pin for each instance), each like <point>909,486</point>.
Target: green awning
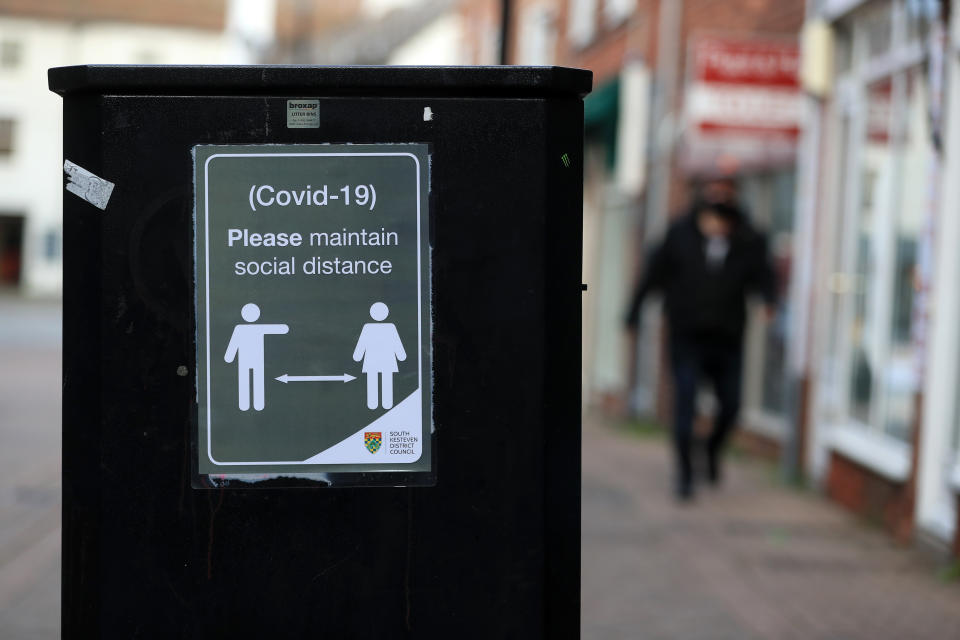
<point>600,111</point>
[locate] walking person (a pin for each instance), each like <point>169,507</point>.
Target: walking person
<point>709,262</point>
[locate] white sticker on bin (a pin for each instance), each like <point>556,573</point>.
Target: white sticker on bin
<point>88,186</point>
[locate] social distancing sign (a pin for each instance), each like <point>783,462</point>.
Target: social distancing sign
<point>313,309</point>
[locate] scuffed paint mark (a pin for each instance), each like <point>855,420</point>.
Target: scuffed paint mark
<point>427,114</point>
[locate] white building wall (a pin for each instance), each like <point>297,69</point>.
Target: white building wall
<point>31,180</point>
<point>440,42</point>
<point>118,43</point>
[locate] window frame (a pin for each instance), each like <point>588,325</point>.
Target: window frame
<point>866,442</point>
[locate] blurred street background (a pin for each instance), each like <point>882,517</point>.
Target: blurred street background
<point>837,122</point>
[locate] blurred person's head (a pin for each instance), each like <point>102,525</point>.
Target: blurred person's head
<point>722,190</point>
<point>716,218</point>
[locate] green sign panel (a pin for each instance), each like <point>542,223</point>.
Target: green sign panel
<point>313,309</point>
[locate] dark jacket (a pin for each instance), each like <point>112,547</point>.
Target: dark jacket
<point>703,302</point>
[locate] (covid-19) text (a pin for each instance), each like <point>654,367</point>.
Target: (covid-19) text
<point>267,195</point>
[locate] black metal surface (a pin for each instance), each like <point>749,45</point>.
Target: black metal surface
<point>301,81</point>
<point>491,551</point>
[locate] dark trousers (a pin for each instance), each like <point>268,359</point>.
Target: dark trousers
<point>691,358</point>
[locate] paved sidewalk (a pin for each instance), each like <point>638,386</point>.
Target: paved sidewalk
<point>30,459</point>
<point>752,560</point>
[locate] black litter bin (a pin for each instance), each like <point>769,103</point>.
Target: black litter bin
<point>321,351</point>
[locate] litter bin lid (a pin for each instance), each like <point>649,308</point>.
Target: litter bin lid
<point>505,81</point>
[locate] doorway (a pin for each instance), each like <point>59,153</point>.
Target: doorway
<point>11,250</point>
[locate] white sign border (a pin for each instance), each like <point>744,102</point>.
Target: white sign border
<point>206,266</point>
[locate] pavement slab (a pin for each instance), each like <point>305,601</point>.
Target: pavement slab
<point>752,559</point>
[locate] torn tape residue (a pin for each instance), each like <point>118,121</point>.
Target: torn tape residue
<point>88,186</point>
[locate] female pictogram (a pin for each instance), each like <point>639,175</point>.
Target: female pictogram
<point>379,347</point>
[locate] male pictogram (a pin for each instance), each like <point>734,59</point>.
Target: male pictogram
<point>246,346</point>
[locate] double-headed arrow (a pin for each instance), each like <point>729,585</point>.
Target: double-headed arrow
<point>285,378</point>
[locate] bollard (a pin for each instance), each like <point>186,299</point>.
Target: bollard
<point>321,370</point>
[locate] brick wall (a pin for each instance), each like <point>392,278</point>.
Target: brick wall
<point>757,16</point>
<point>886,502</point>
<point>605,55</point>
<point>480,17</point>
<point>872,496</point>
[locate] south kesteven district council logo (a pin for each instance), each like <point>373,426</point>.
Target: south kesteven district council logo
<point>372,440</point>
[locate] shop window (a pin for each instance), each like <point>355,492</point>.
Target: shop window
<point>843,52</point>
<point>912,140</point>
<point>919,15</point>
<point>877,25</point>
<point>839,284</point>
<point>880,354</point>
<point>6,137</point>
<point>769,200</point>
<point>781,253</point>
<point>864,330</point>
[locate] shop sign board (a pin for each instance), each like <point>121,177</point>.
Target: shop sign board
<point>744,87</point>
